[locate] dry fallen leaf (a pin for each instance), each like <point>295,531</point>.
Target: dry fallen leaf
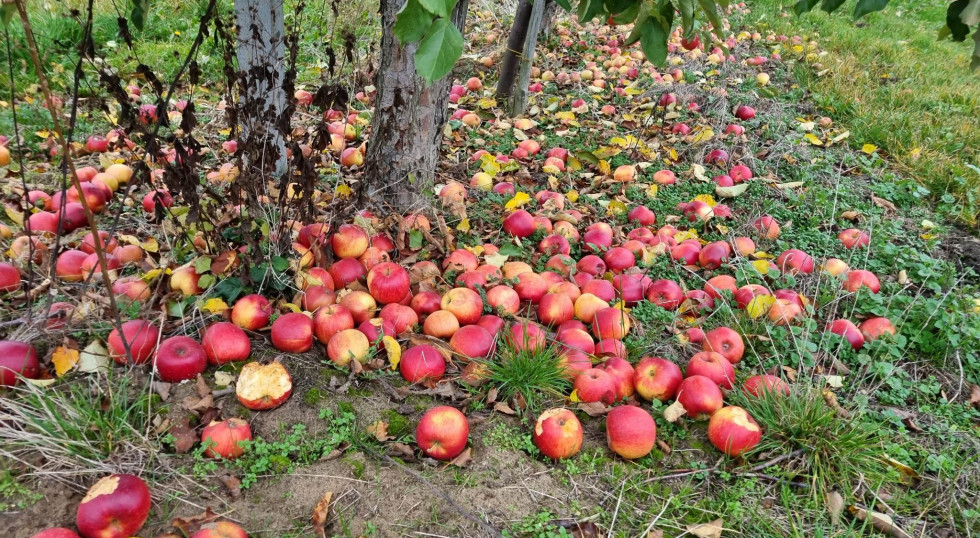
<point>712,529</point>
<point>502,407</point>
<point>232,484</point>
<point>881,522</point>
<point>64,359</point>
<point>379,430</point>
<point>320,514</point>
<point>190,525</point>
<point>464,458</point>
<point>975,396</point>
<point>835,505</point>
<point>594,409</point>
<point>674,412</point>
<point>184,436</point>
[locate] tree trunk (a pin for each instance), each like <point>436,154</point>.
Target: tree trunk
<point>261,61</point>
<point>409,116</point>
<point>512,55</point>
<point>518,101</point>
<point>550,14</point>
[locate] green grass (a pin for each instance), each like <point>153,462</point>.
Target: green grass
<point>895,86</point>
<point>534,375</point>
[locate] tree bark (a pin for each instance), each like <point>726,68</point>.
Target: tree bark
<point>518,101</point>
<point>407,129</point>
<point>512,55</point>
<point>550,14</point>
<point>262,104</point>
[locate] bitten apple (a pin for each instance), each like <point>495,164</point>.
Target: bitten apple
<point>114,507</point>
<point>558,433</point>
<point>733,431</point>
<point>263,386</point>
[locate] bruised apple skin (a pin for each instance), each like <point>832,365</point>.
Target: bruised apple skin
<point>115,507</point>
<point>263,386</point>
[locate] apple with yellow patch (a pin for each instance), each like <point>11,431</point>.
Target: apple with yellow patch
<point>558,433</point>
<point>115,507</point>
<point>263,386</point>
<point>733,431</point>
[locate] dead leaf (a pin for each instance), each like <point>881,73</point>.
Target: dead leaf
<point>831,399</point>
<point>674,412</point>
<point>852,216</point>
<point>184,436</point>
<point>201,386</point>
<point>502,407</point>
<point>232,484</point>
<point>403,451</point>
<point>835,506</point>
<point>975,396</point>
<point>711,529</point>
<point>463,459</point>
<point>664,447</point>
<point>192,524</point>
<point>162,389</point>
<point>884,204</point>
<point>594,409</point>
<point>881,522</point>
<point>587,529</point>
<point>94,358</point>
<point>320,513</point>
<point>655,534</point>
<point>379,430</point>
<point>64,359</point>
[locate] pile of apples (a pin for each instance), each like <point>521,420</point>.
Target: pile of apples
<point>117,507</point>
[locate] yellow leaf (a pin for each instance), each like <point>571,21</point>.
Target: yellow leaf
<point>151,274</point>
<point>518,200</point>
<point>706,198</point>
<point>343,191</point>
<point>496,260</point>
<point>672,154</point>
<point>464,225</point>
<point>486,103</point>
<point>842,136</point>
<point>573,397</point>
<point>214,305</point>
<point>703,135</point>
<point>616,208</point>
<point>150,245</point>
<point>14,214</point>
<point>759,306</point>
<point>476,250</point>
<point>762,266</point>
<point>394,351</point>
<point>652,190</point>
<point>869,148</point>
<point>812,138</point>
<point>94,358</point>
<point>292,307</point>
<point>64,359</point>
<point>43,133</point>
<point>574,164</point>
<point>685,235</point>
<point>722,229</point>
<point>565,115</point>
<point>572,196</point>
<point>604,167</point>
<point>489,164</point>
<point>606,151</point>
<point>224,132</point>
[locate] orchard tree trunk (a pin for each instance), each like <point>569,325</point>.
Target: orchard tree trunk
<point>518,99</point>
<point>515,45</point>
<point>550,14</point>
<point>407,129</point>
<point>262,106</point>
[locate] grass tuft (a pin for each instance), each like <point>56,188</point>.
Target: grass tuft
<point>831,452</point>
<point>535,376</point>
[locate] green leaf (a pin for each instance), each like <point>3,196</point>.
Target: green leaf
<point>138,15</point>
<point>711,11</point>
<point>202,265</point>
<point>975,62</point>
<point>206,281</point>
<point>619,6</point>
<point>804,6</point>
<point>958,29</point>
<point>438,51</point>
<point>635,34</point>
<point>587,156</point>
<point>723,3</point>
<point>830,5</point>
<point>864,7</point>
<point>7,13</point>
<point>588,9</point>
<point>687,16</point>
<point>440,8</point>
<point>565,4</point>
<point>628,15</point>
<point>412,22</point>
<point>653,41</point>
<point>280,264</point>
<point>415,239</point>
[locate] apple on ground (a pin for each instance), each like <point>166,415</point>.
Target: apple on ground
<point>180,358</point>
<point>733,431</point>
<point>657,378</point>
<point>472,342</point>
<point>595,385</point>
<point>292,333</point>
<point>726,342</point>
<point>558,433</point>
<point>142,338</point>
<point>263,386</point>
<point>422,363</point>
<point>58,532</point>
<point>712,365</point>
<point>220,529</point>
<point>630,432</point>
<point>442,433</point>
<point>251,312</point>
<point>17,359</point>
<point>758,385</point>
<point>115,507</point>
<point>223,439</point>
<point>700,396</point>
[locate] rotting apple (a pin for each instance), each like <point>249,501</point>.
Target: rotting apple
<point>263,386</point>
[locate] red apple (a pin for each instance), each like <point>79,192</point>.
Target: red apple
<point>220,529</point>
<point>733,431</point>
<point>850,332</point>
<point>440,324</point>
<point>292,333</point>
<point>520,223</point>
<point>472,341</point>
<point>854,238</point>
<point>860,278</point>
<point>179,358</point>
<point>758,385</point>
<point>388,282</point>
<point>10,278</point>
<point>115,507</point>
<point>422,363</point>
<point>622,374</point>
<point>744,112</point>
<point>700,396</point>
<point>595,385</point>
<point>875,328</point>
<point>657,378</point>
<point>442,433</point>
<point>725,341</point>
<point>348,345</point>
<point>350,241</point>
<point>794,261</point>
<point>142,338</point>
<point>630,432</point>
<point>610,323</point>
<point>59,532</point>
<point>263,386</point>
<point>251,312</point>
<point>712,365</point>
<point>557,434</point>
<point>224,438</point>
<point>464,303</point>
<point>665,294</point>
<point>331,319</point>
<point>17,359</point>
